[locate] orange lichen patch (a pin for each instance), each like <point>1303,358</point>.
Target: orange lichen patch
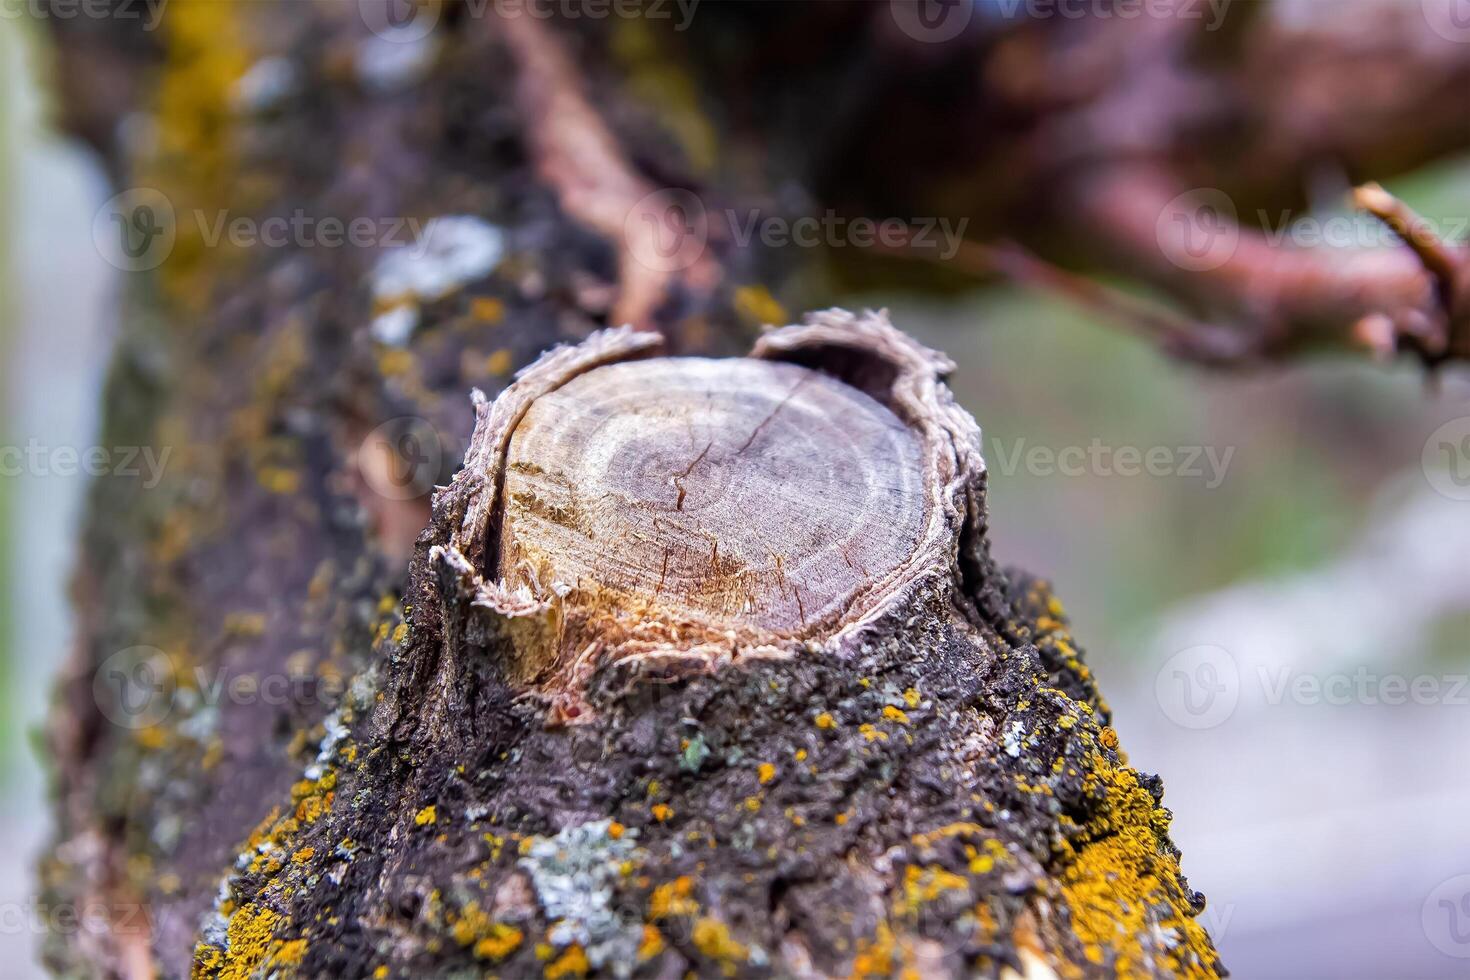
<point>249,939</point>
<point>502,941</point>
<point>290,953</point>
<point>487,309</point>
<point>395,362</point>
<point>765,773</point>
<point>195,158</point>
<point>661,811</point>
<point>498,363</point>
<point>825,721</point>
<point>879,956</point>
<point>492,941</point>
<point>1115,891</point>
<point>652,943</point>
<point>757,306</point>
<point>1122,885</point>
<point>572,963</point>
<point>673,898</point>
<point>895,714</point>
<point>958,829</point>
<point>712,938</point>
<point>924,885</point>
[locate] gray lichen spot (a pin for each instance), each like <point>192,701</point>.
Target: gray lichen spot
<point>573,875</point>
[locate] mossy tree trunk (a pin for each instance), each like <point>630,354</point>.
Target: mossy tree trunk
<point>315,726</point>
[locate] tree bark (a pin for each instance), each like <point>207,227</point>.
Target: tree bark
<point>314,726</point>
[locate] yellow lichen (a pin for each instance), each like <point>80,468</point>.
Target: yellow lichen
<point>427,816</point>
<point>924,885</point>
<point>290,953</point>
<point>487,309</point>
<point>503,940</point>
<point>572,963</point>
<point>247,941</point>
<point>712,938</point>
<point>673,898</point>
<point>756,305</point>
<point>652,943</point>
<point>498,363</point>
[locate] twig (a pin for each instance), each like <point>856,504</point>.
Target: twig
<point>578,155</point>
<point>1179,336</point>
<point>1440,260</point>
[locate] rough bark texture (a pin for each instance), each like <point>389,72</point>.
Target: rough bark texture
<point>931,786</point>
